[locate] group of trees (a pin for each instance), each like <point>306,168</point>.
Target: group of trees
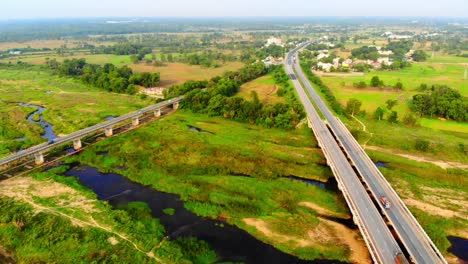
<point>442,101</point>
<point>215,97</point>
<point>108,76</point>
<point>377,82</point>
<point>365,53</point>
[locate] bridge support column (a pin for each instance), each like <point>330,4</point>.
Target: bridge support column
<point>39,158</point>
<point>175,105</point>
<point>108,131</point>
<point>135,121</point>
<point>77,144</point>
<point>157,113</point>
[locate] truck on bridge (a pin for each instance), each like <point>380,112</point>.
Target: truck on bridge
<point>384,200</point>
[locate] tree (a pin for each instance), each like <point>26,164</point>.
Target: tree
<point>376,82</point>
<point>393,118</point>
<point>419,55</point>
<point>353,106</point>
<point>391,103</point>
<point>410,120</point>
<point>379,113</point>
<point>398,86</point>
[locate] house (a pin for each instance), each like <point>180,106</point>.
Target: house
<point>270,60</point>
<point>322,51</point>
<point>385,60</point>
<point>347,63</point>
<point>154,91</point>
<point>322,55</point>
<point>376,65</point>
<point>336,62</point>
<point>276,41</point>
<point>15,52</point>
<point>324,66</point>
<point>385,52</point>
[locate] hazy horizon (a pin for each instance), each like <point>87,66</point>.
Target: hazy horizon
<point>50,9</point>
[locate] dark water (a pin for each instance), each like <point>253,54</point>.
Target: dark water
<point>48,128</point>
<point>330,185</point>
<point>229,242</point>
<point>380,164</point>
<point>107,118</point>
<point>459,247</point>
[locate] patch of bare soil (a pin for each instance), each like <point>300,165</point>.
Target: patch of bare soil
<point>113,241</point>
<point>433,210</point>
<point>440,163</point>
<point>326,232</point>
<point>359,251</point>
<point>263,228</point>
<point>318,209</point>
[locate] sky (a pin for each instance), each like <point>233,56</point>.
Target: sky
<point>20,9</point>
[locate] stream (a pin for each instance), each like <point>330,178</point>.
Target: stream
<point>229,242</point>
<point>48,128</point>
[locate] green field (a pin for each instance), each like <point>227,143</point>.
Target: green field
<point>70,104</point>
<point>201,167</point>
<point>429,73</point>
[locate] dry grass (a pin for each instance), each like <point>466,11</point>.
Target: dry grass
<point>265,88</point>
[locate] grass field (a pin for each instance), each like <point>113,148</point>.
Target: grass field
<point>265,88</point>
<point>429,73</point>
<point>171,73</point>
<point>70,104</point>
<point>201,167</point>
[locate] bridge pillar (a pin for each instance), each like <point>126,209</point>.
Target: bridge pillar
<point>157,113</point>
<point>39,158</point>
<point>135,121</point>
<point>77,144</point>
<point>108,131</point>
<point>175,105</point>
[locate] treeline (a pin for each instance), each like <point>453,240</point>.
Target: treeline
<point>335,105</point>
<point>215,98</point>
<point>442,101</point>
<point>107,77</point>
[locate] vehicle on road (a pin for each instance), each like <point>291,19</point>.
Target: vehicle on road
<point>384,200</point>
<point>400,259</point>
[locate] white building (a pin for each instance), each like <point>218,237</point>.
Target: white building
<point>322,55</point>
<point>336,62</point>
<point>324,66</point>
<point>385,52</point>
<point>385,60</point>
<point>276,41</point>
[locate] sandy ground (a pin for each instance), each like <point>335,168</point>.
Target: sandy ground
<point>325,232</point>
<point>440,163</point>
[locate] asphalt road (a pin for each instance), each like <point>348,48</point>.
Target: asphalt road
<point>89,130</point>
<point>379,239</point>
<point>413,236</point>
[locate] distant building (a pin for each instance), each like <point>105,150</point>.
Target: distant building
<point>322,55</point>
<point>385,52</point>
<point>385,60</point>
<point>276,41</point>
<point>270,60</point>
<point>324,66</point>
<point>154,91</point>
<point>347,63</point>
<point>15,52</point>
<point>336,62</point>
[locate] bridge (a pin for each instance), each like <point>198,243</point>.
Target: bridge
<point>344,152</point>
<point>38,151</point>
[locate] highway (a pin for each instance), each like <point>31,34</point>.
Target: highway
<point>416,242</point>
<point>381,243</point>
<point>89,130</point>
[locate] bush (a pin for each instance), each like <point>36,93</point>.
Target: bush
<point>422,145</point>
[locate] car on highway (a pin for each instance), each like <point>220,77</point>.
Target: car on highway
<point>385,202</point>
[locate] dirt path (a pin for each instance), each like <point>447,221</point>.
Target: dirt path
<point>440,163</point>
<point>25,188</point>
